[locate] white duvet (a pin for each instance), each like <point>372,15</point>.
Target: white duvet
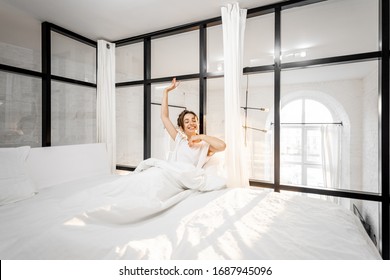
<point>155,186</point>
<point>153,214</point>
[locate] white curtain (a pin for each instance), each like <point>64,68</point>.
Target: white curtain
<point>233,25</point>
<point>106,129</point>
<point>331,157</point>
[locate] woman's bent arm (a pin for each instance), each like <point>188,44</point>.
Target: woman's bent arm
<point>216,144</point>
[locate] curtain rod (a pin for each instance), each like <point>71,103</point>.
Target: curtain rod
<point>253,108</point>
<point>304,123</point>
<point>175,106</point>
<point>253,128</point>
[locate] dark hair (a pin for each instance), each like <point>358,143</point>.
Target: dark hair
<point>180,118</point>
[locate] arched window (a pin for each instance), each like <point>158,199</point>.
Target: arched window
<point>310,145</point>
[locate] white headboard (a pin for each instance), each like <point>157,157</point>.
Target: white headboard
<point>48,166</point>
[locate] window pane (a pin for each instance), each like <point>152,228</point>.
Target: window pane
<point>184,96</point>
<point>129,125</point>
<point>73,115</point>
<point>72,59</point>
<point>20,38</point>
<point>20,110</point>
<point>292,113</point>
<point>313,145</point>
<point>259,41</point>
<point>215,49</point>
<point>291,144</point>
<point>350,93</point>
<point>314,177</point>
<point>174,55</point>
<point>329,28</point>
<point>315,112</point>
<point>129,63</point>
<point>291,174</point>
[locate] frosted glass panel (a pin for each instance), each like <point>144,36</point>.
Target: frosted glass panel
<point>129,125</point>
<point>185,96</point>
<point>175,55</point>
<point>20,110</point>
<point>259,41</point>
<point>73,115</point>
<point>334,113</point>
<point>329,28</point>
<point>215,114</point>
<point>258,135</point>
<point>215,49</point>
<point>363,209</point>
<point>129,63</point>
<point>20,38</point>
<point>72,59</point>
<point>258,97</point>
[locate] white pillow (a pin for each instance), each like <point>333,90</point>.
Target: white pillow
<point>15,184</point>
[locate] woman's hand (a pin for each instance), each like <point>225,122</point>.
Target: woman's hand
<point>172,86</point>
<point>195,139</point>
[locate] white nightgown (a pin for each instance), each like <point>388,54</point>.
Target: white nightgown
<point>196,155</point>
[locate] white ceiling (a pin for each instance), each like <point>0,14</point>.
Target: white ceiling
<point>118,19</point>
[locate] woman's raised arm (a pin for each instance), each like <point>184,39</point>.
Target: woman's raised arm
<point>165,110</point>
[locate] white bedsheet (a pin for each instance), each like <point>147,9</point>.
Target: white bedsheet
<point>222,224</point>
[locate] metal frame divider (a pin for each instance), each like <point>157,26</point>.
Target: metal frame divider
<point>384,126</point>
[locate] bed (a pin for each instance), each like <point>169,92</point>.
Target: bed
<point>70,206</point>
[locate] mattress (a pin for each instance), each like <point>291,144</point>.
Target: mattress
<point>234,224</point>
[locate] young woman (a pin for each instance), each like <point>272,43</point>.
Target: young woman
<point>190,147</point>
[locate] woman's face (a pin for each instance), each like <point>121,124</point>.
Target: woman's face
<point>190,123</point>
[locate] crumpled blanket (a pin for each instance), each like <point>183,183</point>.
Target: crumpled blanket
<point>154,187</point>
<point>185,175</point>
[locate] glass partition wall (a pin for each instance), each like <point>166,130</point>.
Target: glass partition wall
<point>48,86</point>
<point>20,79</point>
<point>69,87</point>
<point>312,98</point>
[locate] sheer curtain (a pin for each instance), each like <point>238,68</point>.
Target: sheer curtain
<point>233,26</point>
<point>331,157</point>
<point>106,129</point>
